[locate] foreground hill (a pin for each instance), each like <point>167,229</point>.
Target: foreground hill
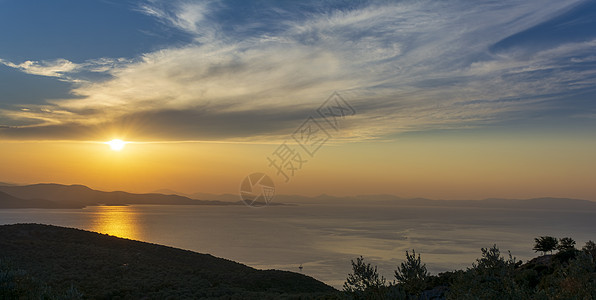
<point>79,196</point>
<point>106,267</point>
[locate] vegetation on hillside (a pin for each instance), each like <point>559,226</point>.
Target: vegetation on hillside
<point>568,274</point>
<point>50,262</point>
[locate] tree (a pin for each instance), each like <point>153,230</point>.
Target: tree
<point>412,274</point>
<point>492,260</point>
<point>590,248</point>
<point>364,280</point>
<point>545,244</point>
<point>566,244</point>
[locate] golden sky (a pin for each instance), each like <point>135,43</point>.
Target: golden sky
<point>443,99</point>
<point>440,168</point>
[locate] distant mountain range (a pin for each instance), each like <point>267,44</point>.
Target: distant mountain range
<point>8,201</point>
<point>79,196</point>
<point>49,195</point>
<point>548,203</point>
<point>386,199</point>
<point>205,196</point>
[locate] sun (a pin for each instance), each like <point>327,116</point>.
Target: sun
<point>116,144</point>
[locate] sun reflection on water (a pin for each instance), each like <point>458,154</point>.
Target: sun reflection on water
<point>120,221</point>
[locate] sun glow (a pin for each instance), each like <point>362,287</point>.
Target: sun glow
<point>120,221</point>
<point>116,144</point>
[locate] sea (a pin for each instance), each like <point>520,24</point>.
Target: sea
<point>323,238</point>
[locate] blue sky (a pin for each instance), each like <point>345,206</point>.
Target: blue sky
<point>252,70</point>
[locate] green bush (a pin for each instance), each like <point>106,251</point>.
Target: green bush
<point>492,277</point>
<point>573,280</point>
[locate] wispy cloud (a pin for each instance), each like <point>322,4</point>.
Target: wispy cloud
<point>64,69</point>
<point>405,67</point>
<point>189,16</point>
<point>56,68</point>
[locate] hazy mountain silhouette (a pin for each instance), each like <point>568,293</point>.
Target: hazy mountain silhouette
<point>169,192</point>
<point>202,196</point>
<point>384,199</point>
<point>76,196</point>
<point>218,197</point>
<point>107,267</point>
<point>9,201</point>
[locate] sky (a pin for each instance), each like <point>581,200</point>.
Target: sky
<point>439,99</point>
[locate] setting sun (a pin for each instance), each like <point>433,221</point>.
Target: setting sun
<point>266,148</point>
<point>116,144</point>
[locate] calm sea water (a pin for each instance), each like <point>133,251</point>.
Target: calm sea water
<point>325,237</point>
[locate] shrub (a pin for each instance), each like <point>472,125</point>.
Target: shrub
<point>492,277</point>
<point>574,280</point>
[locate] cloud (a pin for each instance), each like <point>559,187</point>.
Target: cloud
<point>56,68</point>
<point>406,66</point>
<point>189,16</point>
<point>66,70</point>
<point>195,124</point>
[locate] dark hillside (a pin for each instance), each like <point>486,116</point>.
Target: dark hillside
<point>102,266</point>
